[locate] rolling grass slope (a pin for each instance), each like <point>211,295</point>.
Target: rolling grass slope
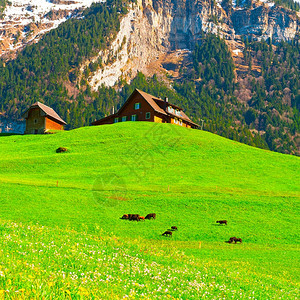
<point>73,201</point>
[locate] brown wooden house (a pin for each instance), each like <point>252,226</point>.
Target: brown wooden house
<point>41,118</point>
<point>141,106</point>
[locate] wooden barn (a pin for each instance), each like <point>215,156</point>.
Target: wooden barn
<point>141,106</point>
<point>41,118</point>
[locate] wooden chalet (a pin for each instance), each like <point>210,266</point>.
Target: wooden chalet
<point>141,106</point>
<point>41,118</point>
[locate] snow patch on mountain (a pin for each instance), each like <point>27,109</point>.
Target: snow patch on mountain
<point>19,14</point>
<point>24,11</point>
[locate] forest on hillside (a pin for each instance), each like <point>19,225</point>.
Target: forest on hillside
<point>291,4</point>
<point>2,5</point>
<point>260,110</point>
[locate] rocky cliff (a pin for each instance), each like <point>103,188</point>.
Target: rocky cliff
<point>264,22</point>
<point>155,27</point>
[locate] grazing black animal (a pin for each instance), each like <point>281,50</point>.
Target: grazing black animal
<point>222,222</point>
<point>134,217</point>
<point>174,228</point>
<point>125,217</point>
<point>167,233</point>
<point>232,239</point>
<point>235,240</point>
<point>150,216</point>
<point>61,150</point>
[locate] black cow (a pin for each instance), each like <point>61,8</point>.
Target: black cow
<point>150,216</point>
<point>232,239</point>
<point>222,222</point>
<point>174,228</point>
<point>134,217</point>
<point>167,233</point>
<point>235,240</point>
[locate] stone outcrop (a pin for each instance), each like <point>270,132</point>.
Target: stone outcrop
<point>153,27</point>
<point>264,22</point>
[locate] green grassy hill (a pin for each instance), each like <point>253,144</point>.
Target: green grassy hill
<point>62,236</point>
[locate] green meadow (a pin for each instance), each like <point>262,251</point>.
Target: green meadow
<point>62,236</point>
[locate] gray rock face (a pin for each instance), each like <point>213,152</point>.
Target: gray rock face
<point>263,22</point>
<point>153,27</point>
<point>183,21</point>
<point>188,18</point>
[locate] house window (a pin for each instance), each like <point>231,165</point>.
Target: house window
<point>148,115</point>
<point>133,118</point>
<point>175,121</point>
<point>180,122</point>
<point>124,119</point>
<point>116,120</point>
<point>170,109</point>
<point>137,105</point>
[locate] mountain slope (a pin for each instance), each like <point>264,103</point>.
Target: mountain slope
<point>246,102</point>
<point>25,22</point>
<point>189,178</point>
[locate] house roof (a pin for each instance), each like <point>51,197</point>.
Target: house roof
<point>184,117</point>
<point>161,103</point>
<point>150,99</point>
<point>47,110</point>
<point>157,104</point>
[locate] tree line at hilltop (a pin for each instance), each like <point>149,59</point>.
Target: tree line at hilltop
<point>2,5</point>
<point>259,109</point>
<point>291,4</point>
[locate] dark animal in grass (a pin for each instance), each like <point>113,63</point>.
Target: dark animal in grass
<point>222,222</point>
<point>174,228</point>
<point>167,233</point>
<point>150,216</point>
<point>134,218</point>
<point>235,240</point>
<point>125,217</point>
<point>129,216</point>
<point>231,239</point>
<point>61,150</point>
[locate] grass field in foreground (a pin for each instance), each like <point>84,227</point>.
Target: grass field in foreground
<point>60,215</point>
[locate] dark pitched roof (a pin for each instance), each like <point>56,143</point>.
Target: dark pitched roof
<point>152,101</point>
<point>47,110</point>
<point>161,103</point>
<point>157,104</point>
<point>183,116</point>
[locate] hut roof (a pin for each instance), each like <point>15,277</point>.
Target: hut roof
<point>158,105</point>
<point>48,111</point>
